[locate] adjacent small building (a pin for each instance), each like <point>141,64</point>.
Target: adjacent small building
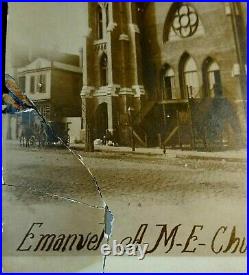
<point>53,82</point>
<point>53,86</point>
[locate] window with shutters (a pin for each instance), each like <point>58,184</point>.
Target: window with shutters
<point>42,83</point>
<point>32,84</point>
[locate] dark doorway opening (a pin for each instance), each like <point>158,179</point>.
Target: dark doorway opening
<point>101,121</point>
<point>168,87</point>
<point>218,87</point>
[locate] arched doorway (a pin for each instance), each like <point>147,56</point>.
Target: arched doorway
<point>101,121</point>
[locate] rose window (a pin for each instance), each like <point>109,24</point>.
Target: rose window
<point>185,21</point>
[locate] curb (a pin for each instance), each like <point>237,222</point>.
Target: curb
<point>169,154</point>
<point>228,159</point>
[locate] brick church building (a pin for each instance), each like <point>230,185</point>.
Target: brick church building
<point>161,72</point>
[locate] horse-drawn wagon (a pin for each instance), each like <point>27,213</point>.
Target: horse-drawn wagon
<point>33,131</point>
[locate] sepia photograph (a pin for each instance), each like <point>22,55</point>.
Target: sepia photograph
<point>124,137</point>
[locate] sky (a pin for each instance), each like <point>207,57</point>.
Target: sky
<point>57,26</point>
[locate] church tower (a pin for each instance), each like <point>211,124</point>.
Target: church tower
<point>145,62</point>
<point>113,89</point>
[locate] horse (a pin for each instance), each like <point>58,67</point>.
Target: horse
<point>41,135</point>
<point>25,136</point>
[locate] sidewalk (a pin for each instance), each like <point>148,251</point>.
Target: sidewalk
<point>229,155</point>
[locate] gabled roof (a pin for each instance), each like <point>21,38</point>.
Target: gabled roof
<point>37,64</point>
<point>43,63</point>
<point>22,56</point>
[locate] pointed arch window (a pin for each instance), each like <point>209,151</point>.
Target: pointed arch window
<point>190,78</point>
<point>103,70</point>
<point>213,78</point>
<point>99,17</point>
<point>107,15</point>
<point>169,91</point>
<point>102,19</point>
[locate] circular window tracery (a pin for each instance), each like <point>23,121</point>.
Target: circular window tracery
<point>185,21</point>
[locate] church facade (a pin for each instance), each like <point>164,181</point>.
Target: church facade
<point>152,70</point>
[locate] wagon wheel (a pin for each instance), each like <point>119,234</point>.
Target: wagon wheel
<point>32,141</point>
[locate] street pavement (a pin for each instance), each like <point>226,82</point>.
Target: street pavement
<point>141,188</point>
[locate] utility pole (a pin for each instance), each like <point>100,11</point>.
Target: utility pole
<point>189,107</point>
<point>89,144</point>
<point>130,114</point>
